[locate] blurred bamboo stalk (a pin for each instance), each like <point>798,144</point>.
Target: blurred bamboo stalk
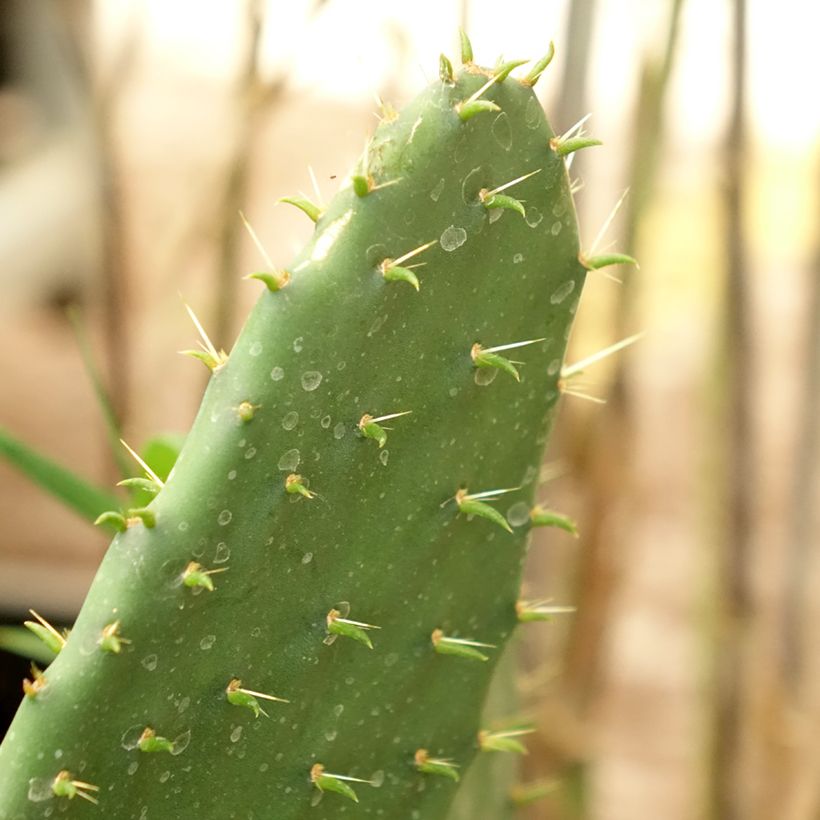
<point>734,582</point>
<point>255,98</point>
<point>602,452</point>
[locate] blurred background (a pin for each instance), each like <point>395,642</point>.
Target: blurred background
<point>132,132</point>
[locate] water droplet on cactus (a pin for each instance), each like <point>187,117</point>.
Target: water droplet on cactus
<point>533,216</point>
<point>453,238</point>
<point>502,131</point>
<point>532,113</point>
<point>131,737</point>
<point>307,557</point>
<point>485,375</point>
<point>556,228</point>
<point>224,517</point>
<point>150,662</point>
<point>311,380</point>
<point>377,779</point>
<point>255,349</point>
<point>471,185</point>
<point>236,734</point>
<point>339,430</point>
<point>384,455</point>
<point>436,192</point>
<point>562,291</point>
<point>165,776</point>
<point>289,460</point>
<point>222,554</point>
<point>277,374</point>
<point>250,453</point>
<point>231,475</point>
<point>553,367</point>
<point>298,344</point>
<point>330,735</point>
<point>39,789</point>
<point>325,422</point>
<point>518,514</point>
<point>290,420</point>
<point>133,766</point>
<point>207,642</point>
<point>181,743</point>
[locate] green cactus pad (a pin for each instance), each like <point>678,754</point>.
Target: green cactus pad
<point>340,342</point>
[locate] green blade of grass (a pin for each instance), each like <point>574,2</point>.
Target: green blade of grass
<point>72,490</point>
<point>19,641</point>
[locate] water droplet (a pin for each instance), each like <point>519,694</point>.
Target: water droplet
<point>255,349</point>
<point>436,192</point>
<point>224,518</point>
<point>453,238</point>
<point>453,392</point>
<point>207,642</point>
<point>290,420</point>
<point>131,737</point>
<point>377,779</point>
<point>277,374</point>
<point>181,743</point>
<point>339,430</point>
<point>164,777</point>
<point>533,216</point>
<point>325,422</point>
<point>518,514</point>
<point>184,704</point>
<point>495,215</point>
<point>236,734</point>
<point>471,186</point>
<point>290,460</point>
<point>311,380</point>
<point>298,344</point>
<point>250,453</point>
<point>561,292</point>
<point>39,789</point>
<point>553,367</point>
<point>338,709</point>
<point>330,735</point>
<point>150,662</point>
<point>485,375</point>
<point>556,228</point>
<point>377,324</point>
<point>133,766</point>
<point>518,258</point>
<point>307,557</point>
<point>231,475</point>
<point>222,554</point>
<point>384,455</point>
<point>502,131</point>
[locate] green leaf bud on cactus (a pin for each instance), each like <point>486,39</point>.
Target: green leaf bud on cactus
<point>605,260</point>
<point>435,765</point>
<point>460,647</point>
<point>273,282</point>
<point>528,611</point>
<point>338,783</point>
<point>311,209</point>
<point>445,70</point>
<point>46,632</point>
<point>33,686</point>
<point>542,517</point>
<point>503,741</point>
<point>534,74</point>
<point>466,47</point>
<point>339,624</point>
<point>195,576</point>
<point>343,337</point>
<point>247,698</point>
<point>476,504</point>
<point>64,785</point>
<point>503,71</point>
<point>113,519</point>
<point>111,640</point>
<point>146,485</point>
<point>565,147</point>
<point>150,742</point>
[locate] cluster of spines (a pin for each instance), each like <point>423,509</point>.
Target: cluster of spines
<point>478,504</point>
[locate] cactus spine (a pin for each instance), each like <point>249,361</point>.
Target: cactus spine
<point>337,467</point>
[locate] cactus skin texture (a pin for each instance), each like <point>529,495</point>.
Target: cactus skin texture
<point>378,536</point>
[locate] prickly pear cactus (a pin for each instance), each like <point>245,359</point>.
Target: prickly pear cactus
<point>309,612</point>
